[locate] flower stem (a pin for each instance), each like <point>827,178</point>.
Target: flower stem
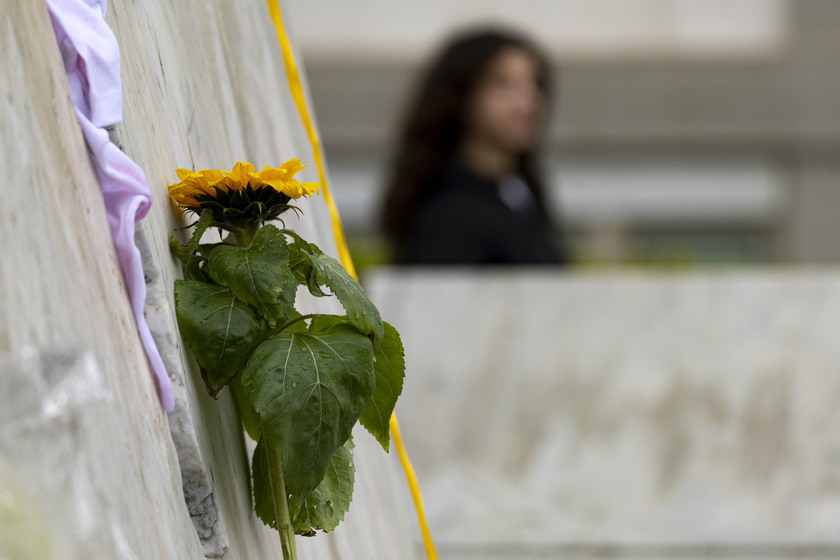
<point>245,235</point>
<point>281,504</point>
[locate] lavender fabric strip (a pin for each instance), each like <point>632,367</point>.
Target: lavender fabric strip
<point>92,62</point>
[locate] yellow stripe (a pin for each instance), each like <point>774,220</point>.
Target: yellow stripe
<point>296,87</point>
<point>431,553</point>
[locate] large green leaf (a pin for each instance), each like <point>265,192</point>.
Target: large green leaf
<point>309,389</point>
<point>326,505</point>
<point>389,368</point>
<point>220,330</point>
<point>259,275</point>
<point>312,265</point>
<point>184,252</point>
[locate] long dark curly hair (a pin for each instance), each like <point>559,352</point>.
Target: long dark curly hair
<point>437,122</point>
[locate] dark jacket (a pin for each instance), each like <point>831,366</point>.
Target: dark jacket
<point>472,220</point>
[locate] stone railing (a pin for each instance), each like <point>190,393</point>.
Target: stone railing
<point>623,413</point>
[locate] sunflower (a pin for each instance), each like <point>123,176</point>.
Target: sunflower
<point>241,198</point>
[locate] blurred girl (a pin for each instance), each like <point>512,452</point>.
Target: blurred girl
<point>463,187</point>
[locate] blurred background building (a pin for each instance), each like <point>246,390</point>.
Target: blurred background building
<point>683,131</point>
<point>639,414</point>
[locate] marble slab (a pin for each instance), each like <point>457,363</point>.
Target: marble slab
<point>622,411</point>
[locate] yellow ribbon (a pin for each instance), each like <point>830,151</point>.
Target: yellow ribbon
<point>293,77</point>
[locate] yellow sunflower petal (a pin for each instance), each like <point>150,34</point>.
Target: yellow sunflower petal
<point>183,194</point>
<point>212,176</point>
<point>272,176</point>
<point>292,167</point>
<point>184,173</point>
<point>242,173</point>
<point>271,173</point>
<point>177,187</point>
<point>228,184</point>
<point>311,188</point>
<point>194,180</point>
<point>185,201</point>
<point>290,187</point>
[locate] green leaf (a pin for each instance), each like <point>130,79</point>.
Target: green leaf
<point>328,272</point>
<point>259,275</point>
<point>389,368</point>
<point>360,310</point>
<point>250,418</point>
<point>301,263</point>
<point>323,322</point>
<point>194,271</point>
<point>326,505</point>
<point>220,330</point>
<point>309,389</point>
<point>184,252</point>
<point>263,496</point>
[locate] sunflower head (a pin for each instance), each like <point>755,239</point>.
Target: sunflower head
<point>241,198</point>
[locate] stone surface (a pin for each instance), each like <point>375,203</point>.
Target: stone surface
<point>61,287</point>
<point>204,86</point>
<point>623,413</point>
<point>62,467</point>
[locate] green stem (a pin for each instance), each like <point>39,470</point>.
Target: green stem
<point>301,318</point>
<point>245,235</point>
<point>281,504</point>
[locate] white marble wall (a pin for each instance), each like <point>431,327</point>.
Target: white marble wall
<point>113,477</point>
<point>623,411</point>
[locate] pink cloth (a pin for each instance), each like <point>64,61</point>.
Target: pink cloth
<point>92,62</point>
